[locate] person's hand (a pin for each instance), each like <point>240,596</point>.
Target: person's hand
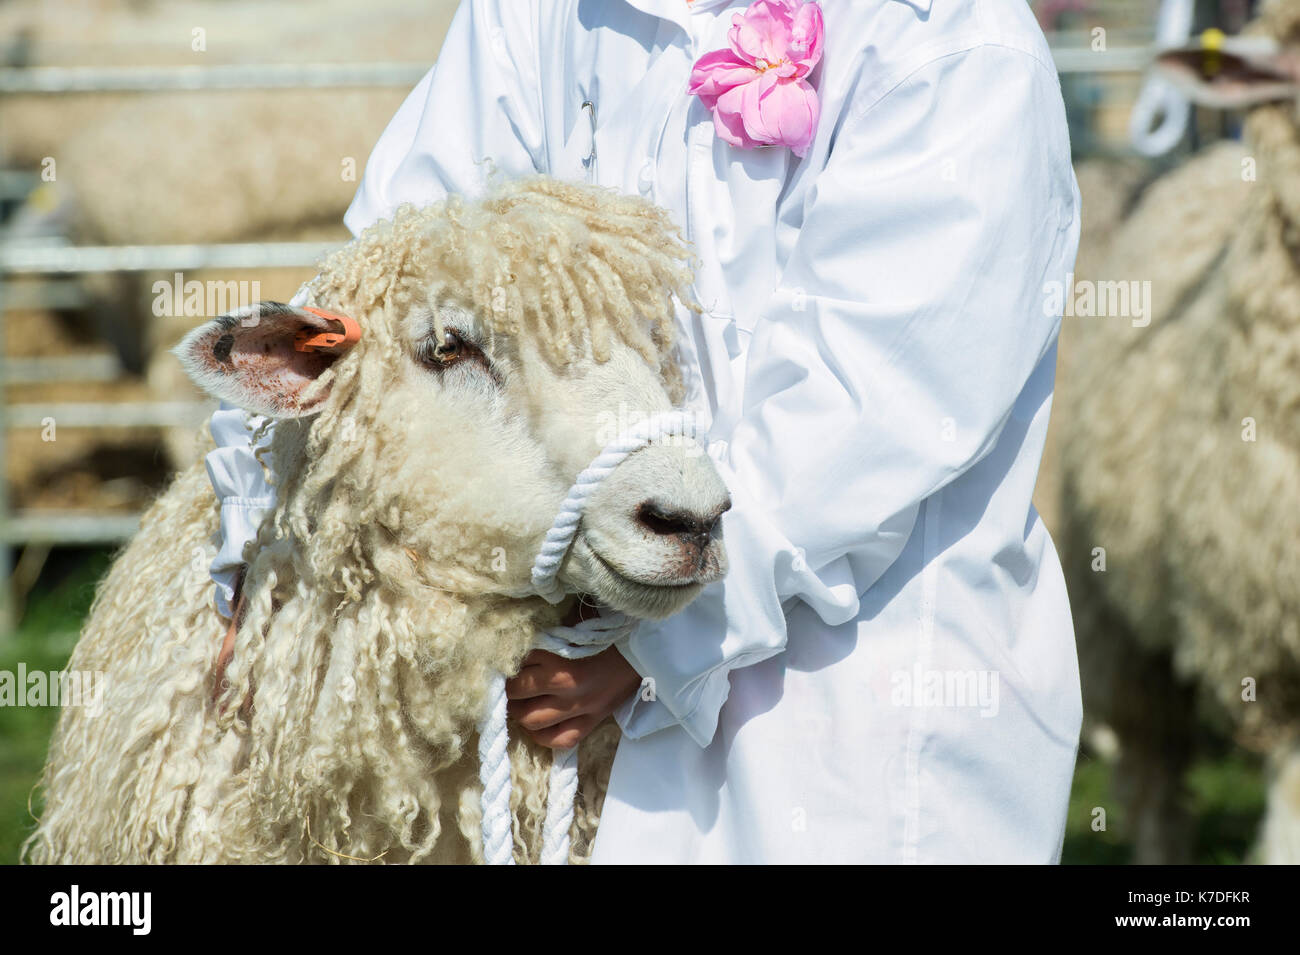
<point>559,701</point>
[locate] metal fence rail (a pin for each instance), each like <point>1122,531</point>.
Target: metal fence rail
<point>80,259</point>
<point>1084,59</point>
<point>118,414</point>
<point>35,371</point>
<point>55,527</point>
<point>49,80</point>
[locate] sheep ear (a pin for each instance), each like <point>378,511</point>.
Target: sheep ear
<point>265,358</point>
<point>1231,72</point>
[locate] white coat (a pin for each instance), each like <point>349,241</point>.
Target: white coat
<point>888,672</point>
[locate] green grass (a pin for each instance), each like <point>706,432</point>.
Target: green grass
<point>43,641</point>
<point>1226,792</point>
<point>1226,795</point>
<point>1228,800</point>
<point>1092,789</point>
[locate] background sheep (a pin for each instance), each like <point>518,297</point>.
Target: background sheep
<point>1180,446</point>
<point>111,33</point>
<point>1109,187</point>
<point>215,163</point>
<point>416,486</point>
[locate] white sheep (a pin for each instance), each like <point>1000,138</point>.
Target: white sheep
<point>198,33</point>
<point>419,473</point>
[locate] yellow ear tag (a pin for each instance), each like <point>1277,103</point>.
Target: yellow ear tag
<point>1211,44</point>
<point>44,198</point>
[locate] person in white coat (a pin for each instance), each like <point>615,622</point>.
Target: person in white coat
<point>888,672</point>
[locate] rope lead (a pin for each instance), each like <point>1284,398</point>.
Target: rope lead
<point>586,639</point>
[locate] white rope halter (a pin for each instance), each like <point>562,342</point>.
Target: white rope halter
<point>586,639</point>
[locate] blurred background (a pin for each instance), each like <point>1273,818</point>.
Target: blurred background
<point>162,162</point>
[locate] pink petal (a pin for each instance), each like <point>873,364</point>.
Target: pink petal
<point>728,121</point>
<point>751,109</point>
<point>806,37</point>
<point>716,72</point>
<point>790,109</point>
<point>734,39</point>
<point>763,30</point>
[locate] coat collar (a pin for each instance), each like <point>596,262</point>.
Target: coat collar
<point>678,11</point>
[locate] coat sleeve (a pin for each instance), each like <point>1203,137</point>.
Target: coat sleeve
<point>243,490</point>
<point>478,108</point>
<point>908,318</point>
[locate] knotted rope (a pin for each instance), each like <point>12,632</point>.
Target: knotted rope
<point>560,537</point>
<point>586,639</point>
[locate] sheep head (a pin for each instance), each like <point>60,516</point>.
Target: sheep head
<point>1257,71</point>
<point>1260,66</point>
<point>504,342</point>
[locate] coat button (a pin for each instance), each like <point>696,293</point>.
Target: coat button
<point>645,180</point>
<point>499,48</point>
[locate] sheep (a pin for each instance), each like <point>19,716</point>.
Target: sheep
<point>418,473</point>
<point>112,33</point>
<point>213,166</point>
<point>1108,187</point>
<point>1180,444</point>
<point>205,167</point>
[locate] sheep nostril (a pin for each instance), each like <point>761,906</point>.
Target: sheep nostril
<point>660,520</point>
<point>666,522</point>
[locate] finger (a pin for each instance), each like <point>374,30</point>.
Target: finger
<point>538,658</point>
<point>567,734</point>
<point>527,684</point>
<point>523,686</point>
<point>544,711</point>
<point>541,680</point>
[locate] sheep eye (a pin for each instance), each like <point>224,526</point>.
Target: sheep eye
<point>449,351</point>
<point>454,350</point>
<point>451,348</point>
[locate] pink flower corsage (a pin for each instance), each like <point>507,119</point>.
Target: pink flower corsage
<point>757,87</point>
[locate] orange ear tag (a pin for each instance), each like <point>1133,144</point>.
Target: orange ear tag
<point>306,340</point>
